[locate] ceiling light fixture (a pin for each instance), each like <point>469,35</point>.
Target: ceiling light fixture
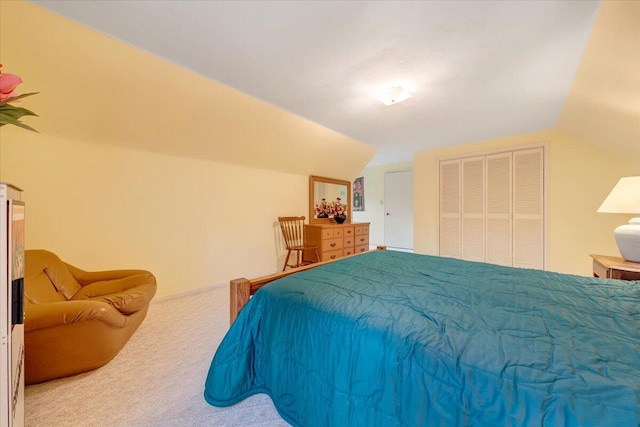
<point>393,95</point>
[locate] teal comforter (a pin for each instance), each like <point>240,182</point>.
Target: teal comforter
<point>396,339</point>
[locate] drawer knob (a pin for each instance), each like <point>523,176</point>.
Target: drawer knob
<point>333,245</point>
<point>333,257</point>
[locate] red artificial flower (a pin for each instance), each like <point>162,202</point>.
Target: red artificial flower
<point>8,83</point>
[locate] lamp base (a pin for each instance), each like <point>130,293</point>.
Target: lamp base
<point>628,240</point>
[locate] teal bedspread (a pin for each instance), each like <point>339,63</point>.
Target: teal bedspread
<point>396,339</point>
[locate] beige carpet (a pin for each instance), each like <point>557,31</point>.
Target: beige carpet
<point>157,379</point>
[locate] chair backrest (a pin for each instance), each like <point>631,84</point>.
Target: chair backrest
<point>292,230</point>
<point>46,278</point>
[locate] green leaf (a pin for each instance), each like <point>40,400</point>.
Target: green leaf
<point>6,119</point>
<point>16,112</point>
<point>27,127</point>
<point>13,98</point>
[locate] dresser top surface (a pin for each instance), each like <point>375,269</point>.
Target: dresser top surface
<point>335,225</point>
<point>616,262</point>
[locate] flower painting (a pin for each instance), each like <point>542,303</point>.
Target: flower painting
<point>334,209</point>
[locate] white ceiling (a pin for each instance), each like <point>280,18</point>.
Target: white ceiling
<point>476,69</point>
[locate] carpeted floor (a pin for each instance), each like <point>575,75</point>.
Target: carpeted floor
<point>157,379</point>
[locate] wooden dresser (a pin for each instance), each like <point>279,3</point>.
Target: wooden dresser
<point>338,240</point>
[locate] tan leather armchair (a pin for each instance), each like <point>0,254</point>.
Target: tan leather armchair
<point>76,320</point>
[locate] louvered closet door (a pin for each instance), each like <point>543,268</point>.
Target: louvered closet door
<point>499,201</point>
<point>450,218</point>
<point>492,208</point>
<point>528,209</point>
<point>473,208</point>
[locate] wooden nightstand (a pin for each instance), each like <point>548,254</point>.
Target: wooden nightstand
<point>611,267</point>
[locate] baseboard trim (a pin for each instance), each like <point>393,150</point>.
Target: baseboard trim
<point>188,292</point>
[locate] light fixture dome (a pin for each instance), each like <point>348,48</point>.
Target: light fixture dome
<point>393,95</point>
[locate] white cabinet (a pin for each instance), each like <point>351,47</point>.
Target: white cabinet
<point>12,221</point>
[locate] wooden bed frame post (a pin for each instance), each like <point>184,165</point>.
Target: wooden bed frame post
<point>240,290</point>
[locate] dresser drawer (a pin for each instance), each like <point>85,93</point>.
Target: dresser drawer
<point>362,248</point>
<point>362,229</point>
<point>349,242</point>
<point>327,233</point>
<point>348,231</point>
<point>332,244</point>
<point>331,255</point>
<point>349,251</point>
<point>362,240</point>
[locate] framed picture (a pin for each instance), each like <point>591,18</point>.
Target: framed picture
<point>358,195</point>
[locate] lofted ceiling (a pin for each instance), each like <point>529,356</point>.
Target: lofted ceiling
<point>476,69</point>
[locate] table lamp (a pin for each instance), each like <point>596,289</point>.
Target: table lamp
<point>625,199</point>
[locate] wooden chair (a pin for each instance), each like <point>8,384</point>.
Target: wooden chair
<point>293,232</point>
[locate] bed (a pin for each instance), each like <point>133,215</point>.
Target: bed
<point>398,339</point>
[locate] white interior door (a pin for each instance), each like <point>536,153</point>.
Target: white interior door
<point>398,203</point>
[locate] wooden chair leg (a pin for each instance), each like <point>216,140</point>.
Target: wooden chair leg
<point>286,261</point>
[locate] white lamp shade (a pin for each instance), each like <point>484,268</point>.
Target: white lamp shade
<point>624,198</point>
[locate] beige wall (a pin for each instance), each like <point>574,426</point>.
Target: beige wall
<point>580,177</point>
<point>603,106</point>
<point>96,89</point>
<point>192,223</point>
<point>142,164</point>
<point>374,199</point>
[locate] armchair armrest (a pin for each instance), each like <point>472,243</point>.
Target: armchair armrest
<point>48,315</point>
<point>127,295</point>
<point>85,277</point>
